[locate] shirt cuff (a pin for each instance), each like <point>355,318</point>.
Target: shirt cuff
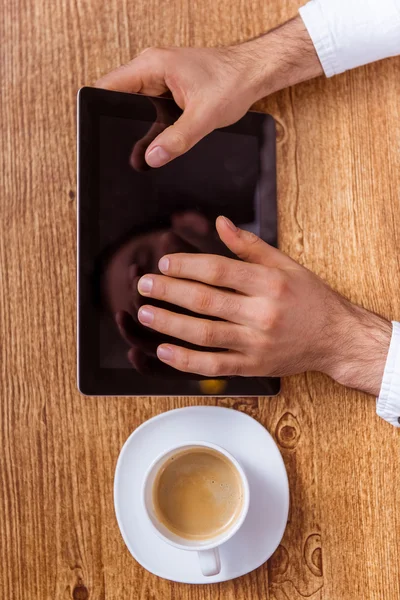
<point>350,33</point>
<point>388,402</point>
<point>318,30</point>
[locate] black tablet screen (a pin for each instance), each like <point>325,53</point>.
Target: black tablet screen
<point>142,214</point>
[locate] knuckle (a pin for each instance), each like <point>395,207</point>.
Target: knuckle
<point>225,304</point>
<point>252,238</point>
<point>202,301</point>
<point>221,367</point>
<point>251,241</point>
<point>269,318</point>
<point>278,285</point>
<point>229,338</point>
<point>207,335</point>
<point>184,361</point>
<point>174,75</point>
<point>244,273</point>
<point>217,272</point>
<point>213,368</point>
<point>216,303</point>
<point>179,140</point>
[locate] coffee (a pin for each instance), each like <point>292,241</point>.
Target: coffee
<point>197,493</point>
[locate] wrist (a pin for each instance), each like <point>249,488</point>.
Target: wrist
<point>280,58</point>
<point>360,345</point>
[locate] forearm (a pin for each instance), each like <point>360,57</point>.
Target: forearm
<point>278,59</point>
<point>327,37</point>
<point>359,349</point>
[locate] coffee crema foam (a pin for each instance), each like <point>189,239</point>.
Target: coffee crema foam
<point>197,493</point>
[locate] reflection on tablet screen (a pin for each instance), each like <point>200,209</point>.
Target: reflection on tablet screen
<point>145,214</point>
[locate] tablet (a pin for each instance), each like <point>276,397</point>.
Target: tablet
<point>130,215</point>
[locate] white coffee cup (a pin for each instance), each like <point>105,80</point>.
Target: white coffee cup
<point>210,562</point>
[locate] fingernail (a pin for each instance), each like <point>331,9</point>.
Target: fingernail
<point>163,264</point>
<point>230,224</point>
<point>165,353</point>
<point>146,316</point>
<point>145,285</point>
<point>157,157</point>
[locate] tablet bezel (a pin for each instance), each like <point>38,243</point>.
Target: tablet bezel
<point>93,103</point>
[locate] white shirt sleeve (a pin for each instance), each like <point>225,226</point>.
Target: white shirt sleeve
<point>351,33</point>
<point>388,403</point>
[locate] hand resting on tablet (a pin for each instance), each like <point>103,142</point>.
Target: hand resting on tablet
<point>190,232</point>
<point>276,317</point>
<point>215,87</point>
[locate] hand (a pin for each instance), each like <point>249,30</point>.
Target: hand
<point>142,352</point>
<point>190,232</point>
<point>278,318</point>
<point>215,86</point>
<point>207,83</point>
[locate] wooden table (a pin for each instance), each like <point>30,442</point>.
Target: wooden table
<point>339,182</point>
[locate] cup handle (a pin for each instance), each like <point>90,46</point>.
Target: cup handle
<point>210,562</point>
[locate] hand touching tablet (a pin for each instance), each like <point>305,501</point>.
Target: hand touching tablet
<point>278,318</point>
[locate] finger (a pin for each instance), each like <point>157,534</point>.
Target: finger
<point>208,364</point>
<point>134,334</point>
<point>217,271</point>
<point>145,74</point>
<point>136,159</point>
<point>202,332</point>
<point>152,367</point>
<point>198,298</point>
<point>178,138</point>
<point>249,247</point>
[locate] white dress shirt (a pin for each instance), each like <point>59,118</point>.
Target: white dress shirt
<point>351,33</point>
<point>348,34</point>
<point>388,403</point>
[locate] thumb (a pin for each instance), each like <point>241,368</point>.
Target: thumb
<point>177,139</point>
<point>248,246</point>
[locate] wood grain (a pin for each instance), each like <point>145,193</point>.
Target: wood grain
<point>339,182</point>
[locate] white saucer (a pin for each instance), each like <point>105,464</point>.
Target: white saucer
<point>258,454</point>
